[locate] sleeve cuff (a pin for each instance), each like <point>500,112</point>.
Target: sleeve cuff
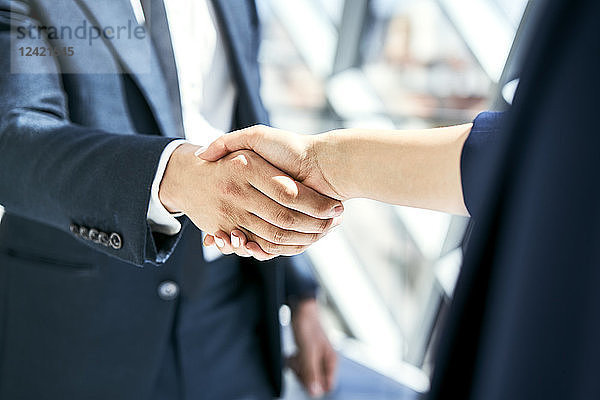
<point>484,135</point>
<point>161,220</point>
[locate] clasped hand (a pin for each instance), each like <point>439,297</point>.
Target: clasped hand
<point>291,153</point>
<point>245,195</point>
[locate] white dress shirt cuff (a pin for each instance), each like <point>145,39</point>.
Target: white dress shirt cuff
<point>161,220</point>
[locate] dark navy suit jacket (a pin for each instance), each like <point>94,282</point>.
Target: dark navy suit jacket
<point>78,318</point>
<point>525,319</point>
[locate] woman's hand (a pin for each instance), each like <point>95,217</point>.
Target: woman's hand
<point>300,156</point>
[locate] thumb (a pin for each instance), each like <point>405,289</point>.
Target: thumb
<point>239,140</point>
<point>330,366</point>
<point>313,376</point>
<point>306,369</point>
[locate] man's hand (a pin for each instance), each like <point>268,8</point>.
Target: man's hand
<point>315,362</point>
<point>243,191</point>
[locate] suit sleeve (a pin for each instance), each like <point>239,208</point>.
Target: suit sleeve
<point>479,144</point>
<point>61,174</point>
<point>300,282</point>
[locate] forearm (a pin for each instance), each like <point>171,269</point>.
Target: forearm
<point>418,168</point>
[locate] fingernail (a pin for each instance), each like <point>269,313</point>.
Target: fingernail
<point>235,241</point>
<point>337,211</point>
<point>250,251</point>
<point>220,242</point>
<point>316,390</point>
<point>201,150</point>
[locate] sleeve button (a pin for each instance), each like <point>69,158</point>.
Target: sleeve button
<point>94,235</point>
<point>84,232</point>
<point>103,239</point>
<point>115,241</point>
<point>74,229</point>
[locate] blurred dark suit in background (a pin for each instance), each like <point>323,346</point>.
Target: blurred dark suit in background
<point>524,323</point>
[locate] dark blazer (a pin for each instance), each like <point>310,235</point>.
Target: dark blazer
<point>80,139</point>
<point>524,322</point>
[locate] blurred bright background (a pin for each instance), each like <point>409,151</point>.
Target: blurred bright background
<point>388,274</point>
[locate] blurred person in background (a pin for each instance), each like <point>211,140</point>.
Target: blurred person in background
<point>524,322</point>
<point>106,291</point>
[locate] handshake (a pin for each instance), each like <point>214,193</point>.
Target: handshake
<point>258,192</point>
<point>262,192</point>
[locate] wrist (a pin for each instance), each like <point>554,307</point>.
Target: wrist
<point>307,308</point>
<point>171,191</point>
<point>329,150</point>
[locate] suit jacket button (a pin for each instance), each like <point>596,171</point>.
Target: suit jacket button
<point>94,235</point>
<point>115,241</point>
<point>84,232</point>
<point>74,229</point>
<point>168,290</point>
<point>103,239</point>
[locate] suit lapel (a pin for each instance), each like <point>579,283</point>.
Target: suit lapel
<point>138,57</point>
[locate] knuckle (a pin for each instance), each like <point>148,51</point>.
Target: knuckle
<point>280,236</point>
<point>242,161</point>
<point>284,218</point>
<point>286,194</point>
